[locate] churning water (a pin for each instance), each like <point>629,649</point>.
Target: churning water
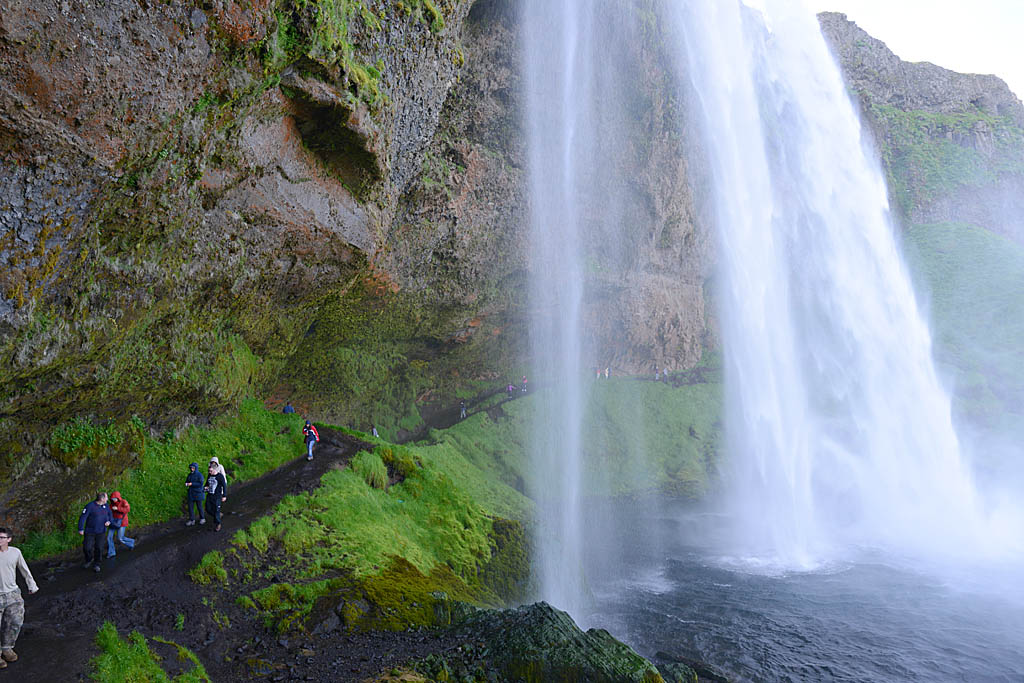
<point>861,621</point>
<point>840,432</point>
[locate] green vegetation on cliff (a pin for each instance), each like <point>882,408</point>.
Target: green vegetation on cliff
<point>929,155</point>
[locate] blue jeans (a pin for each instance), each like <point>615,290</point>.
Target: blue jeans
<point>130,542</point>
<point>309,447</point>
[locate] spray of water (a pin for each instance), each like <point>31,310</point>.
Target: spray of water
<point>840,431</point>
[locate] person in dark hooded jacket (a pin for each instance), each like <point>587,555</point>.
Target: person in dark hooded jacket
<point>194,491</point>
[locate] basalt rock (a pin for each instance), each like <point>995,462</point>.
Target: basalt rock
<point>539,643</point>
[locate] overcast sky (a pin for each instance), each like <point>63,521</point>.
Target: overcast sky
<point>971,36</point>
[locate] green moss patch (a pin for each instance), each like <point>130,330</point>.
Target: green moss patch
<point>131,659</point>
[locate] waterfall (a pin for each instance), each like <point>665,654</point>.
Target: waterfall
<point>576,87</point>
<point>840,432</point>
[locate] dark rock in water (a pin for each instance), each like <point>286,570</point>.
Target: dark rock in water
<point>700,670</point>
<point>540,643</point>
<point>675,672</point>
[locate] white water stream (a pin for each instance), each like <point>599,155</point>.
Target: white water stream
<point>840,432</point>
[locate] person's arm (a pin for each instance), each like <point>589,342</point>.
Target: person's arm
<point>110,517</point>
<point>26,574</point>
<point>82,519</point>
<point>223,486</point>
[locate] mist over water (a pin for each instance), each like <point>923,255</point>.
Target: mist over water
<point>840,432</point>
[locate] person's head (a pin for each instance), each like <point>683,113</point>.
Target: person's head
<point>212,468</point>
<point>193,467</point>
<point>5,537</point>
<point>307,423</point>
<point>101,497</point>
<point>115,496</point>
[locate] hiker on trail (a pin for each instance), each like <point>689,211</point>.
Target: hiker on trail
<point>462,409</point>
<point>194,488</point>
<point>215,463</point>
<point>216,494</point>
<point>524,384</point>
<point>657,374</point>
<point>312,436</point>
<point>119,508</point>
<point>92,526</point>
<point>373,430</point>
<point>288,409</point>
<point>12,605</point>
<point>606,372</point>
<point>511,389</point>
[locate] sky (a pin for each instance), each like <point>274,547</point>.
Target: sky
<point>971,36</point>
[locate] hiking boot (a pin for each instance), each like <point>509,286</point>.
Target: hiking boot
<point>96,568</point>
<point>203,520</point>
<point>3,664</point>
<point>217,528</point>
<point>111,555</point>
<point>309,457</point>
<point>190,522</point>
<point>87,565</point>
<point>9,656</point>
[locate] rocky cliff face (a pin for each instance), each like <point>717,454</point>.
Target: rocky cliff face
<point>953,144</point>
<point>323,201</point>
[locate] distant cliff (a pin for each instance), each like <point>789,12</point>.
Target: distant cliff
<point>952,144</point>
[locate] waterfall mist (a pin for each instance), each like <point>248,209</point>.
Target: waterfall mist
<point>840,431</point>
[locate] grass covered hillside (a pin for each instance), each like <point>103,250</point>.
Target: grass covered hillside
<point>972,282</point>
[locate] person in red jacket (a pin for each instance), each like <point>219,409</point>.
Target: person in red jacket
<point>119,508</point>
<point>312,436</point>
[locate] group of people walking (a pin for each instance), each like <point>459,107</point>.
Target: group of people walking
<point>104,519</point>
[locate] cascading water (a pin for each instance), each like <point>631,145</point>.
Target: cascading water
<point>840,432</point>
<point>577,94</point>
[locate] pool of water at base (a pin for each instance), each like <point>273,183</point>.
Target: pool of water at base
<point>869,620</point>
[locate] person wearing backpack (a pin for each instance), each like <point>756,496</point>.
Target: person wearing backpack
<point>312,436</point>
<point>119,508</point>
<point>194,494</point>
<point>216,494</point>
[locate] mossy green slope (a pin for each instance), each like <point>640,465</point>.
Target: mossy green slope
<point>972,280</point>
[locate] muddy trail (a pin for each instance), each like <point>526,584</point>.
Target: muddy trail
<point>147,588</point>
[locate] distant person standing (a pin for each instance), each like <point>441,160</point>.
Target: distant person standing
<point>12,605</point>
<point>312,436</point>
<point>373,430</point>
<point>511,389</point>
<point>216,494</point>
<point>606,372</point>
<point>524,384</point>
<point>462,409</point>
<point>288,409</point>
<point>119,508</point>
<point>194,492</point>
<point>92,527</point>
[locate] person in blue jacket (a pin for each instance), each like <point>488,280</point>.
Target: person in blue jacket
<point>92,526</point>
<point>194,487</point>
